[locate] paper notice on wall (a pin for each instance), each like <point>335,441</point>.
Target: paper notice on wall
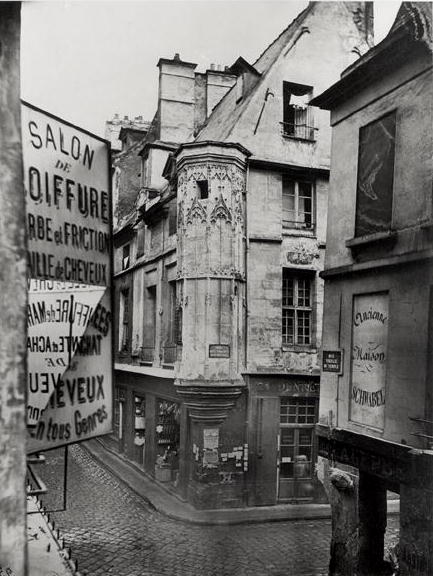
<point>369,356</point>
<point>210,438</point>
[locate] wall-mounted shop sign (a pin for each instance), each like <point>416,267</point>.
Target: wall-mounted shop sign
<point>67,184</point>
<point>332,361</point>
<point>289,386</point>
<point>219,351</point>
<point>68,222</point>
<point>369,350</point>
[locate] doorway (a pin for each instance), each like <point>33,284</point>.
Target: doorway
<point>296,448</point>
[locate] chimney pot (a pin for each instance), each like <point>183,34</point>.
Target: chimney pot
<point>212,66</point>
<point>125,118</point>
<point>176,56</point>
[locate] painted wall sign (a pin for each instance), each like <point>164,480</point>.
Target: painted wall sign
<point>369,349</point>
<point>309,387</point>
<point>332,361</point>
<point>219,351</point>
<point>66,179</point>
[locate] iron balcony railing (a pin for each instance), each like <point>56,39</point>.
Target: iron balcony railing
<point>147,353</point>
<point>169,356</point>
<point>302,126</point>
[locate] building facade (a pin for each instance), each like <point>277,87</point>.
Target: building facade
<point>376,420</point>
<point>220,300</point>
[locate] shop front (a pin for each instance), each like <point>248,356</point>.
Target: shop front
<point>283,445</point>
<point>148,419</point>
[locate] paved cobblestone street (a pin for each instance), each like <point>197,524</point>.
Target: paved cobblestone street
<point>112,531</point>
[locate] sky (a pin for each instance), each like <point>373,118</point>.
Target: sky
<point>87,60</point>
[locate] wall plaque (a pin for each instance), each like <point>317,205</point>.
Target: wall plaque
<point>332,361</point>
<point>219,351</point>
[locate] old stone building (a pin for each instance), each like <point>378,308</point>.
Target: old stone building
<point>219,297</point>
<point>376,418</point>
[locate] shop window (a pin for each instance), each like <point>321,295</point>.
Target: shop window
<point>167,441</point>
<point>375,176</point>
<point>125,256</point>
<point>298,120</point>
<point>297,203</point>
<point>119,401</point>
<point>124,320</point>
<point>203,189</point>
<point>139,429</point>
<point>297,309</point>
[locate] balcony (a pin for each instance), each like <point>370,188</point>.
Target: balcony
<point>302,127</point>
<point>169,354</point>
<point>147,355</point>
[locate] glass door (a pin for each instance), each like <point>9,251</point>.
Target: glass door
<point>296,448</point>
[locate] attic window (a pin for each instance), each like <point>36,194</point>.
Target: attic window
<point>203,189</point>
<point>297,114</point>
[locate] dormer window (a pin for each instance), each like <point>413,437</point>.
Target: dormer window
<point>297,114</point>
<point>203,189</point>
<point>239,88</point>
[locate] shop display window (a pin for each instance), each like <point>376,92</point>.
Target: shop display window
<point>167,441</point>
<point>139,429</point>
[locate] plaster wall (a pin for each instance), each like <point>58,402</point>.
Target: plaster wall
<point>314,58</point>
<point>406,367</point>
<point>176,102</point>
<point>217,87</point>
<point>155,164</point>
<point>411,96</point>
<point>272,248</point>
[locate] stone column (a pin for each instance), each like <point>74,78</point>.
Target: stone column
<point>13,301</point>
<point>342,490</point>
<point>372,524</point>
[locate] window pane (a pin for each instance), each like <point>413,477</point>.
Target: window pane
<point>304,292</point>
<point>304,327</point>
<point>305,203</point>
<point>288,289</point>
<point>287,436</point>
<point>289,213</point>
<point>288,326</point>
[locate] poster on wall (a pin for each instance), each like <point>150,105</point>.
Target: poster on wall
<point>369,359</point>
<point>68,225</point>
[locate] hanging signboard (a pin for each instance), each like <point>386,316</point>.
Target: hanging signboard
<point>66,177</point>
<point>58,315</point>
<point>68,221</point>
<point>369,350</point>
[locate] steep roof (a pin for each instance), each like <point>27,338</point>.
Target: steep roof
<point>411,32</point>
<point>228,111</point>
